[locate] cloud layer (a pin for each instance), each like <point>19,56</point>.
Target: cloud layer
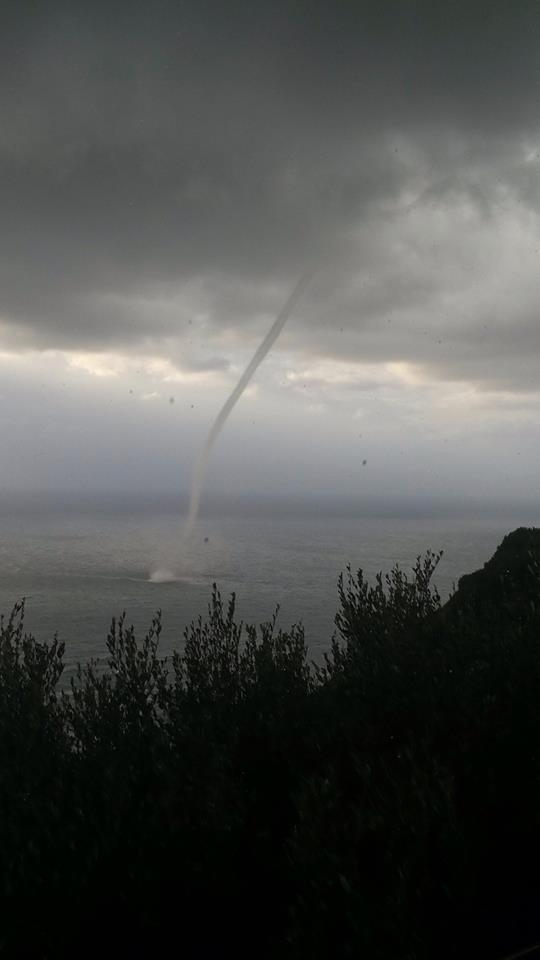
<point>167,171</point>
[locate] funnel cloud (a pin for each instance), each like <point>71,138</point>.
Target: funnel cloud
<point>159,576</point>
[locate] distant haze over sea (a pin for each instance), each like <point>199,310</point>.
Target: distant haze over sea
<point>250,505</point>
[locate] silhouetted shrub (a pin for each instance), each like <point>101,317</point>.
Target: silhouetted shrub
<point>236,798</point>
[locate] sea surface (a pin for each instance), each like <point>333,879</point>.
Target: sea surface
<point>77,571</point>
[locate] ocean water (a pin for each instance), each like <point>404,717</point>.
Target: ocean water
<point>78,570</point>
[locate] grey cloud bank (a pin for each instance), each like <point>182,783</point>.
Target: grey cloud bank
<point>167,171</point>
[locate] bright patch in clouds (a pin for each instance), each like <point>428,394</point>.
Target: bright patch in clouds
<point>116,365</point>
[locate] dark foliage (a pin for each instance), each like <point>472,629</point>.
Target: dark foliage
<point>238,800</point>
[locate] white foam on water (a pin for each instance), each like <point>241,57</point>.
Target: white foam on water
<point>163,576</point>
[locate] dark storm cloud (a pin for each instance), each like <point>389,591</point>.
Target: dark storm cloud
<point>208,152</point>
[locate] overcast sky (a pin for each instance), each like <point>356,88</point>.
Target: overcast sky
<point>169,170</point>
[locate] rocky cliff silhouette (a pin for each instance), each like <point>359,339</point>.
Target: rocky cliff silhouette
<point>507,586</point>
